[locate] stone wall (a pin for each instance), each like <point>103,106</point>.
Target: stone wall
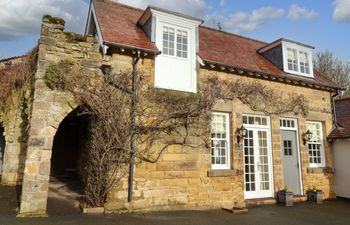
<point>182,179</point>
<point>15,123</point>
<point>49,108</point>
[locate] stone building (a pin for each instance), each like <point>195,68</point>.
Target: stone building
<point>177,51</point>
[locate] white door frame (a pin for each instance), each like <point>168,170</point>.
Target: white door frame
<point>296,129</point>
<point>267,128</point>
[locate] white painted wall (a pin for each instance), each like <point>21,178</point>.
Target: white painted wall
<point>172,72</point>
<point>342,167</point>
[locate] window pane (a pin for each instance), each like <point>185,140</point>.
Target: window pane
<point>181,38</point>
<point>168,40</point>
<point>315,145</point>
<point>292,59</point>
<point>219,139</point>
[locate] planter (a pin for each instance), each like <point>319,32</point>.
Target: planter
<point>285,198</point>
<point>315,196</point>
<point>95,210</point>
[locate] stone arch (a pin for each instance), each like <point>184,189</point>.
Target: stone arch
<point>47,114</point>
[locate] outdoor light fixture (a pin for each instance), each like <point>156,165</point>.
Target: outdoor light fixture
<point>241,133</point>
<point>307,136</point>
<point>106,70</point>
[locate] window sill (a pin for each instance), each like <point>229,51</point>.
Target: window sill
<point>320,170</point>
<point>223,173</point>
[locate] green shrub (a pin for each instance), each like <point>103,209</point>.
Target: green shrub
<point>56,75</point>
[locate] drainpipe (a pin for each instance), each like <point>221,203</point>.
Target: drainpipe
<point>335,123</point>
<point>132,133</point>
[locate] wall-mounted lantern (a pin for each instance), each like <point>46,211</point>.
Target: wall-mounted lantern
<point>241,133</point>
<point>307,136</point>
<point>106,70</point>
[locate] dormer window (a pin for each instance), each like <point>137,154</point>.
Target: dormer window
<point>297,58</point>
<point>176,36</point>
<point>298,64</point>
<point>290,56</point>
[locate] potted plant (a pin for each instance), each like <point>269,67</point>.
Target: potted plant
<point>315,195</point>
<point>285,197</point>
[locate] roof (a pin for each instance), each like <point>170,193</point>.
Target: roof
<point>118,25</point>
<point>342,108</point>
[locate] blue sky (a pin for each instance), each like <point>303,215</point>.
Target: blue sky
<point>324,24</point>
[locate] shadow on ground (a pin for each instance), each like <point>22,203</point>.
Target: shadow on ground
<point>335,212</point>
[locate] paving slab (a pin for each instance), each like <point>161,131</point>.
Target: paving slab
<point>334,212</point>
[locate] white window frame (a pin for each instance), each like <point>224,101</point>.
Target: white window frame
<point>176,29</point>
<point>168,40</point>
<point>227,139</point>
<point>267,128</point>
<point>321,142</point>
<point>299,49</point>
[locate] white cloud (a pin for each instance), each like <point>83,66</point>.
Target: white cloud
<point>197,8</point>
<point>297,12</point>
<point>243,21</point>
<point>341,11</point>
<point>22,17</point>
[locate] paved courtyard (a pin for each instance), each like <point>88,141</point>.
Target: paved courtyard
<point>336,212</point>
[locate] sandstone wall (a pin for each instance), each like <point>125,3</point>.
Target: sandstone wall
<point>49,108</point>
<point>183,178</point>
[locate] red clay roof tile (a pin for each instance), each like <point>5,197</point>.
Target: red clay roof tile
<point>118,24</point>
<point>342,108</point>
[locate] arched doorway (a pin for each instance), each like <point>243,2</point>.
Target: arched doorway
<point>67,163</point>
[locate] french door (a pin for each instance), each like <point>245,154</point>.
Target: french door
<point>257,161</point>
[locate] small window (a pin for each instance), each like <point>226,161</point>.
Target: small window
<point>220,140</point>
<point>315,145</point>
<point>288,123</point>
<point>181,38</point>
<point>297,59</point>
<point>287,146</point>
<point>168,40</point>
<point>255,120</point>
<point>292,59</point>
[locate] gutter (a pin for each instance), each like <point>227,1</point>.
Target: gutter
<point>266,76</point>
<point>132,48</point>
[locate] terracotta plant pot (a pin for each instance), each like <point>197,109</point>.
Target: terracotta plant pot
<point>285,198</point>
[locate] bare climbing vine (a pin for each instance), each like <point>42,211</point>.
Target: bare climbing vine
<point>16,80</point>
<point>162,117</point>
